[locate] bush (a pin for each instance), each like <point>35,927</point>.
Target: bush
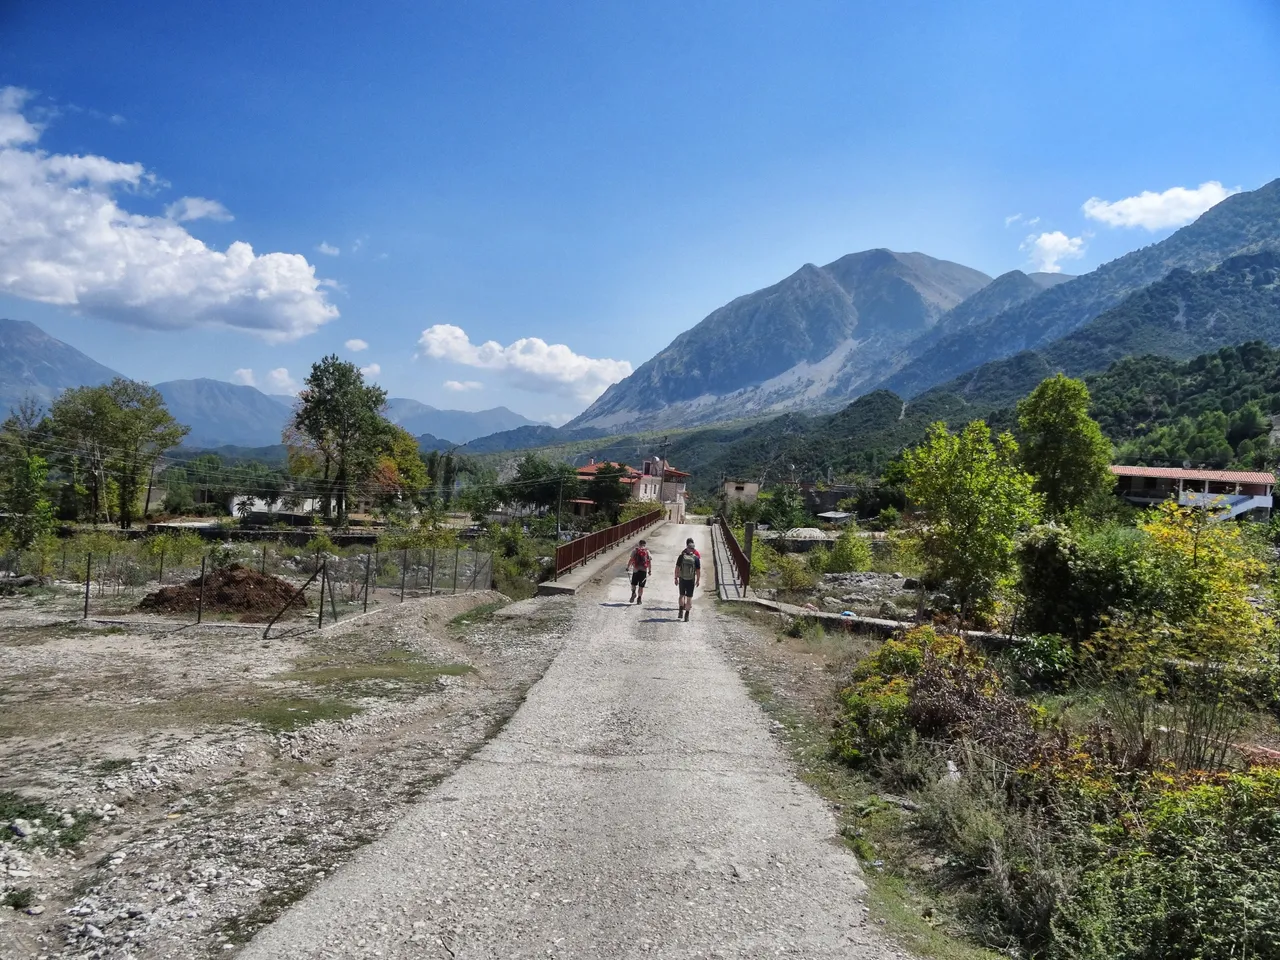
<point>794,574</point>
<point>1043,662</point>
<point>1194,875</point>
<point>873,707</point>
<point>849,554</point>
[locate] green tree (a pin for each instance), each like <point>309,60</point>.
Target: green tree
<point>338,430</point>
<point>543,484</point>
<point>141,430</point>
<point>112,436</point>
<point>784,510</point>
<point>972,499</point>
<point>1063,447</point>
<point>23,496</point>
<point>607,491</point>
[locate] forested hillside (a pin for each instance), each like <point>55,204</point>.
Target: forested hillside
<point>1213,410</point>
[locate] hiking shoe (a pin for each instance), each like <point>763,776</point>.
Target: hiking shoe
<point>633,597</point>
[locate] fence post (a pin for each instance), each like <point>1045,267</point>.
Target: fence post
<point>88,579</point>
<point>431,574</point>
<point>404,570</point>
<point>160,575</point>
<point>324,575</point>
<point>475,569</point>
<point>200,600</point>
<point>457,551</point>
<point>262,565</point>
<point>64,559</point>
<point>375,569</point>
<point>366,583</point>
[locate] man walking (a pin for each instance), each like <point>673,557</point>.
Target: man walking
<point>688,576</point>
<point>640,564</point>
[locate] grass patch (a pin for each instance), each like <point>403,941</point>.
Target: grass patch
<point>397,666</point>
<point>275,714</point>
<point>481,614</point>
<point>104,768</point>
<point>14,806</point>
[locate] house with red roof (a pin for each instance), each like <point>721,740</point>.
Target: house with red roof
<point>1227,493</point>
<point>656,481</point>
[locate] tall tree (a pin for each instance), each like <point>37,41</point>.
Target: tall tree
<point>1063,447</point>
<point>83,420</point>
<point>608,491</point>
<point>339,421</point>
<point>24,498</point>
<point>141,430</point>
<point>110,438</point>
<point>973,499</point>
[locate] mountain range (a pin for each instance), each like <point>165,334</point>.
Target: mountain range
<point>34,364</point>
<point>902,321</point>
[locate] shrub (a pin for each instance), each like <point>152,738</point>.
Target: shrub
<point>794,574</point>
<point>1044,661</point>
<point>849,554</point>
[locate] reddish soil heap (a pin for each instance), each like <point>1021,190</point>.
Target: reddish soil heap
<point>234,589</point>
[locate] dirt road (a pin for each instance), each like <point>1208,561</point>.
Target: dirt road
<point>636,805</point>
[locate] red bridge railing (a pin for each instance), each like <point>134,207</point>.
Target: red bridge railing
<point>741,565</point>
<point>575,552</point>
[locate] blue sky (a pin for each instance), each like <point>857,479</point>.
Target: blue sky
<point>595,175</point>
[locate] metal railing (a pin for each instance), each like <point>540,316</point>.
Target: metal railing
<point>741,565</point>
<point>575,552</point>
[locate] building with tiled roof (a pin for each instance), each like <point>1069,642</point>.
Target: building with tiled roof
<point>1228,493</point>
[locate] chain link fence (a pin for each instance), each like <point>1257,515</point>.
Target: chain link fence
<point>185,579</point>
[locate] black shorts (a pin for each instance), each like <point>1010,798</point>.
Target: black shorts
<point>686,588</point>
<point>639,577</point>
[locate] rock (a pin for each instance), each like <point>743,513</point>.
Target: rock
<point>22,828</point>
<point>889,612</point>
<point>834,604</point>
<point>910,583</point>
<point>35,911</point>
<point>952,775</point>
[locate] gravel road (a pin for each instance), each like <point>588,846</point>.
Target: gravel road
<point>636,805</point>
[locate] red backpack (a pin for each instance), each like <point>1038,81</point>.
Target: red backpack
<point>640,557</point>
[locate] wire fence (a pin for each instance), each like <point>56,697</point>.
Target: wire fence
<point>188,580</point>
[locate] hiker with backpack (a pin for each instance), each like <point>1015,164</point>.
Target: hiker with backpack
<point>688,576</point>
<point>640,565</point>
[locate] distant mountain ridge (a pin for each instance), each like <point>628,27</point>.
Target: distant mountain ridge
<point>1181,316</point>
<point>224,414</point>
<point>34,364</point>
<point>1244,223</point>
<point>808,341</point>
<point>220,414</point>
<point>458,426</point>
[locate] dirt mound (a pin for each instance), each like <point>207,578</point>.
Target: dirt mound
<point>233,589</point>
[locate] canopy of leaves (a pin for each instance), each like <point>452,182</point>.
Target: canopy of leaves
<point>1062,446</point>
<point>972,500</point>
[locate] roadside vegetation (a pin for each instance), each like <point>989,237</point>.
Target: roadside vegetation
<point>1103,783</point>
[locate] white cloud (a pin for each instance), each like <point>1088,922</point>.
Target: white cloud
<point>458,386</point>
<point>65,240</point>
<point>197,208</point>
<point>279,381</point>
<point>328,250</point>
<point>356,345</point>
<point>1013,218</point>
<point>372,370</point>
<point>244,376</point>
<point>1158,211</point>
<point>1048,248</point>
<point>529,363</point>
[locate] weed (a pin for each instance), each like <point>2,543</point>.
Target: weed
<point>20,899</point>
<point>479,614</point>
<point>113,765</point>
